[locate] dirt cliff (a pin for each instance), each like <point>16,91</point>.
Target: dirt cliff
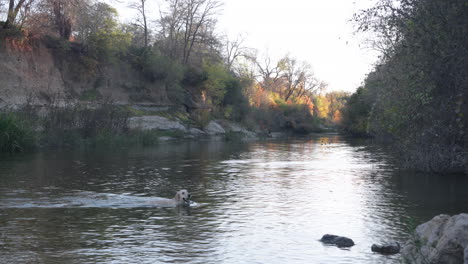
<point>40,72</point>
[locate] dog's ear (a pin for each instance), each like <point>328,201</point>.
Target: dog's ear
<point>177,196</point>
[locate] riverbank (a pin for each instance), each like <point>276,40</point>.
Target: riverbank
<point>29,127</point>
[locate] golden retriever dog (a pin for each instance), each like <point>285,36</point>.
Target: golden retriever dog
<point>182,197</point>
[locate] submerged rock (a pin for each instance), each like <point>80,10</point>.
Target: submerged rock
<point>443,239</point>
<point>339,241</point>
<point>391,248</point>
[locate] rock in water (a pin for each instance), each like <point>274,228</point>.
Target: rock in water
<point>339,241</point>
<point>213,128</point>
<point>391,248</point>
<point>155,122</point>
<point>443,239</point>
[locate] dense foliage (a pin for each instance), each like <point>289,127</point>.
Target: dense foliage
<point>416,97</point>
<point>15,133</point>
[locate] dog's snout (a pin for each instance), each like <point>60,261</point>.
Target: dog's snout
<point>189,195</point>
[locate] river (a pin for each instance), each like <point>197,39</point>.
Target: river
<point>256,202</point>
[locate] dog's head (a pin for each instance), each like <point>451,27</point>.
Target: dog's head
<point>183,197</point>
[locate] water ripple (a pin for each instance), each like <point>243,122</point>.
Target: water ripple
<point>256,202</point>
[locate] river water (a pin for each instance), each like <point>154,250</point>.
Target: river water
<point>256,202</point>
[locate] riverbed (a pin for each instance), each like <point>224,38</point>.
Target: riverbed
<point>266,201</point>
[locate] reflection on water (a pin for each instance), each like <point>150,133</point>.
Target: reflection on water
<point>258,202</point>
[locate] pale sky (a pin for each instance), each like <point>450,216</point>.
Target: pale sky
<point>317,31</point>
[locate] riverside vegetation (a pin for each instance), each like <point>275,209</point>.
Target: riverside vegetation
<point>416,96</point>
<point>102,67</point>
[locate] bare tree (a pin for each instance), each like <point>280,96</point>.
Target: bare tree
<point>234,50</point>
<point>25,12</point>
<point>63,14</point>
<point>299,78</point>
<point>186,24</point>
<point>269,73</point>
<point>13,10</point>
<point>288,77</point>
<point>171,27</point>
<point>199,17</point>
<point>140,6</point>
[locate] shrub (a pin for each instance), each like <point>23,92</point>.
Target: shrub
<point>356,113</point>
<point>235,103</point>
<point>108,45</point>
<point>157,68</point>
<point>10,32</point>
<point>201,117</point>
<point>215,84</point>
<point>194,77</point>
<point>16,134</point>
<point>70,125</point>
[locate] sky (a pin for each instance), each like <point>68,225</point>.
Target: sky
<point>317,31</point>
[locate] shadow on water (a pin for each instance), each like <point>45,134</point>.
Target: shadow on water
<point>259,202</point>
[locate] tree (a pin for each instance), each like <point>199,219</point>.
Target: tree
<point>187,25</point>
<point>269,73</point>
<point>140,6</point>
<point>234,50</point>
<point>96,18</point>
<point>137,33</point>
<point>171,28</point>
<point>356,112</point>
<point>216,81</point>
<point>64,14</point>
<point>13,10</point>
<point>420,83</point>
<point>104,35</point>
<point>198,21</point>
<point>298,77</point>
<point>288,77</point>
<point>337,101</point>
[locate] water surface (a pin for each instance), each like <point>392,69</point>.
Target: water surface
<point>257,202</point>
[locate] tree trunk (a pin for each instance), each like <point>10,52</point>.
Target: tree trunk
<point>13,12</point>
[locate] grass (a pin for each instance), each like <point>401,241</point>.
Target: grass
<point>16,134</point>
<point>75,126</point>
<point>90,95</point>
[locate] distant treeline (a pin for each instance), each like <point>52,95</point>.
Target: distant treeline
<point>416,97</point>
<point>182,54</point>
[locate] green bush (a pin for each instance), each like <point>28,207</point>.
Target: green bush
<point>356,113</point>
<point>16,134</point>
<point>11,32</point>
<point>201,117</point>
<point>216,82</point>
<point>160,69</point>
<point>108,45</point>
<point>194,77</point>
<point>236,105</point>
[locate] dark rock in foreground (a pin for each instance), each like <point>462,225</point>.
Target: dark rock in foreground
<point>391,248</point>
<point>339,241</point>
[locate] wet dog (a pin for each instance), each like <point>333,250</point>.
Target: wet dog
<point>182,197</point>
